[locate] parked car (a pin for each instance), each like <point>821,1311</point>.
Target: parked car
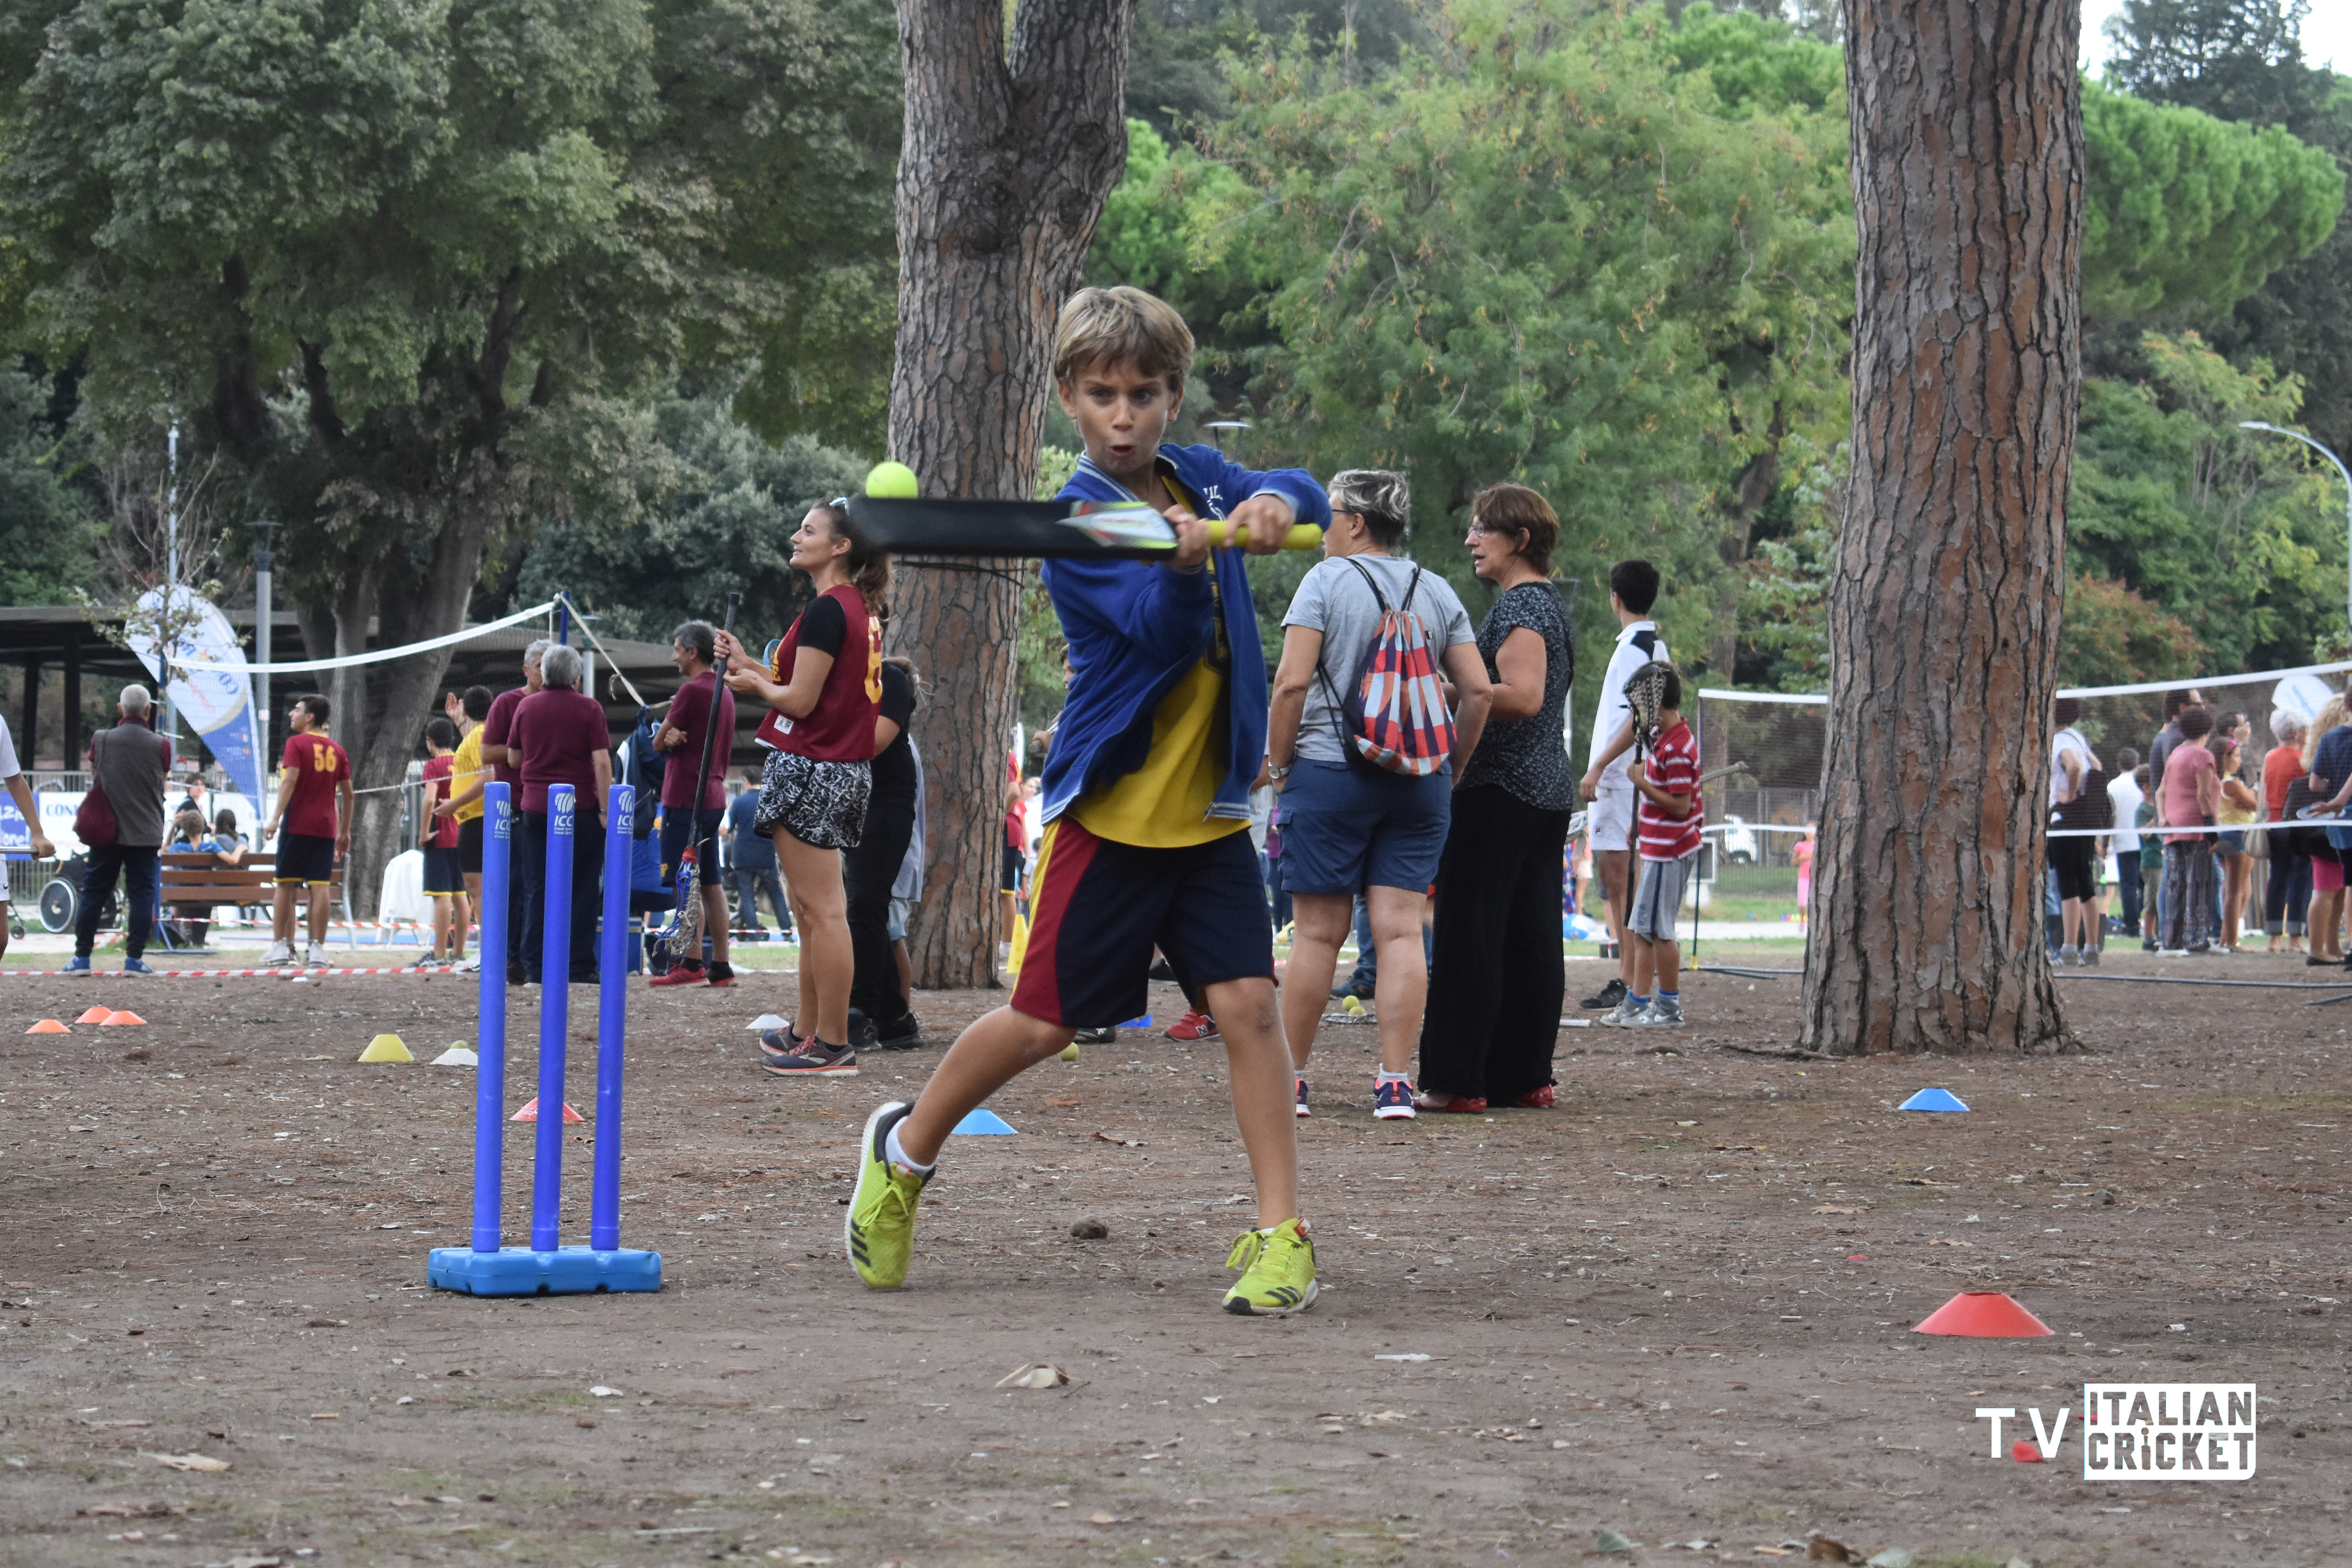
<point>1739,841</point>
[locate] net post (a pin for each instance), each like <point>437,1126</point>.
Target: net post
<point>554,1017</point>
<point>490,1023</point>
<point>613,1018</point>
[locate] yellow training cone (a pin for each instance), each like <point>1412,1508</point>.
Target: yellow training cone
<point>386,1049</point>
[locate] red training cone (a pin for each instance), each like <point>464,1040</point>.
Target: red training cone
<point>2024,1451</point>
<point>531,1113</point>
<point>124,1021</point>
<point>1984,1315</point>
<point>49,1027</point>
<point>95,1015</point>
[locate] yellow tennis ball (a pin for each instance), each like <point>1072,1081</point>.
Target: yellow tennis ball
<point>893,480</point>
<point>1070,1052</point>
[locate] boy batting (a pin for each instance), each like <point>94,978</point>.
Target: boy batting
<point>1146,800</point>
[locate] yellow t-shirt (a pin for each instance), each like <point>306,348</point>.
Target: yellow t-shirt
<point>465,771</point>
<point>1164,804</point>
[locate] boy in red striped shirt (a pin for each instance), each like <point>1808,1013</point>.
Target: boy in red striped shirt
<point>1666,823</point>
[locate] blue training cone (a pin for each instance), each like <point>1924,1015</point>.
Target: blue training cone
<point>983,1120</point>
<point>1933,1099</point>
<point>1142,1022</point>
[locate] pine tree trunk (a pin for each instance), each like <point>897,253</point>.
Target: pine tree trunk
<point>1943,613</point>
<point>1008,155</point>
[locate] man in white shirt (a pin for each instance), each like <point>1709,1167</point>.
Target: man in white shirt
<point>2073,859</point>
<point>2124,794</point>
<point>1632,590</point>
<point>13,776</point>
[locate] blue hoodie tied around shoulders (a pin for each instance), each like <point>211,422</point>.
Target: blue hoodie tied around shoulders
<point>1136,628</point>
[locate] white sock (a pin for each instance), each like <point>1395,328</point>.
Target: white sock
<point>1384,1076</point>
<point>895,1151</point>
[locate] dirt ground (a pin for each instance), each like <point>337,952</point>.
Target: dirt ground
<point>1678,1307</point>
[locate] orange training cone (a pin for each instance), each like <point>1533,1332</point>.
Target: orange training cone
<point>95,1015</point>
<point>49,1027</point>
<point>531,1113</point>
<point>1984,1315</point>
<point>123,1021</point>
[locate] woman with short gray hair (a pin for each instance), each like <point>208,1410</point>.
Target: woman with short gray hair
<point>1349,825</point>
<point>560,737</point>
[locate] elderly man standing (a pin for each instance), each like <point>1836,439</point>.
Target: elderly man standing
<point>497,750</point>
<point>560,737</point>
<point>131,762</point>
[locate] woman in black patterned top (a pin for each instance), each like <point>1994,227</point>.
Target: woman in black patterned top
<point>1496,983</point>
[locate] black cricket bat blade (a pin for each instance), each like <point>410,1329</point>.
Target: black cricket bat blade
<point>1039,530</point>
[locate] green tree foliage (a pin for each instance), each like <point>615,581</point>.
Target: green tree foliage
<point>49,528</point>
<point>1552,249</point>
<point>1176,77</point>
<point>2113,636</point>
<point>415,271</point>
<point>2188,212</point>
<point>2231,533</point>
<point>2241,60</point>
<point>725,525</point>
<point>414,274</point>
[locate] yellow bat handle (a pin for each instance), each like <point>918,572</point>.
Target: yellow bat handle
<point>1302,535</point>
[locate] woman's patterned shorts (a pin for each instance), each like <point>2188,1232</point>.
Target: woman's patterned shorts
<point>823,805</point>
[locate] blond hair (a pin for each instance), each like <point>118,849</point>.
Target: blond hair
<point>2326,718</point>
<point>1121,326</point>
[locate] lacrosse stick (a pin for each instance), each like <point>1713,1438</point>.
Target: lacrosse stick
<point>684,936</point>
<point>1645,694</point>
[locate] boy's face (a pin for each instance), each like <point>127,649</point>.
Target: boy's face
<point>1121,414</point>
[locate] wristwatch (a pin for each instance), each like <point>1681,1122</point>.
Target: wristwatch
<point>1278,774</point>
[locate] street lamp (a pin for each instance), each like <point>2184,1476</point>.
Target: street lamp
<point>2299,435</point>
<point>1221,426</point>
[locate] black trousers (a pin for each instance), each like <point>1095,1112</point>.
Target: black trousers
<point>139,866</point>
<point>587,894</point>
<point>1494,979</point>
<point>866,875</point>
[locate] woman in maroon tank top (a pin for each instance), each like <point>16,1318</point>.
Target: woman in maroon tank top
<point>823,692</point>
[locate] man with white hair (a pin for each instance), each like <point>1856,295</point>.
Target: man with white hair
<point>560,737</point>
<point>129,763</point>
<point>499,752</point>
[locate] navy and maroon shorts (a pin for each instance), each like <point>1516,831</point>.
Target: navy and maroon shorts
<point>1098,908</point>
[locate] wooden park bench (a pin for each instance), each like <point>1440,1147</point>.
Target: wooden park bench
<point>194,881</point>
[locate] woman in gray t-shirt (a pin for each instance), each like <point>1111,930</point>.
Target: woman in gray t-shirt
<point>1349,826</point>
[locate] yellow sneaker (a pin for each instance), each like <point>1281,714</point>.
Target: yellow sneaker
<point>880,1231</point>
<point>1278,1272</point>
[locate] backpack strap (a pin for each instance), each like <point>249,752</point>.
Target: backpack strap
<point>1331,689</point>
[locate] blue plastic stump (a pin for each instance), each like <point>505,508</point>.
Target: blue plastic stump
<point>1933,1099</point>
<point>983,1120</point>
<point>520,1271</point>
<point>546,1267</point>
<point>1142,1022</point>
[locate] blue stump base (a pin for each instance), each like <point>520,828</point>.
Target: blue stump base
<point>520,1271</point>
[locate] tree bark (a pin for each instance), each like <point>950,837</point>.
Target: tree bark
<point>1944,609</point>
<point>1009,152</point>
